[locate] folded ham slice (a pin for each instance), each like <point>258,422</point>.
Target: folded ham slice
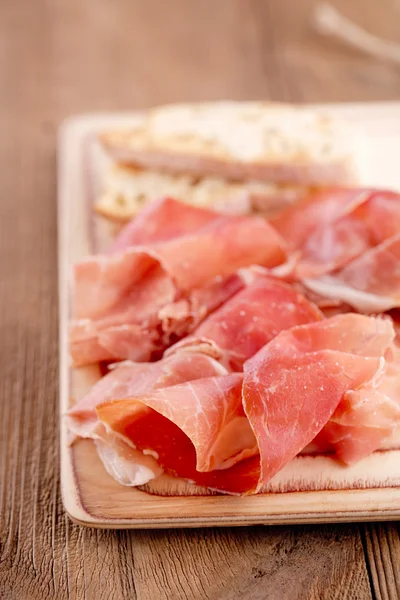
<point>249,320</point>
<point>131,285</point>
<point>179,318</point>
<point>367,417</point>
<point>142,330</point>
<point>347,247</point>
<point>370,283</point>
<point>293,385</point>
<point>120,458</point>
<point>322,230</point>
<point>197,430</point>
<point>189,261</point>
<point>333,227</point>
<point>160,221</point>
<point>298,222</point>
<point>290,389</point>
<point>125,330</point>
<point>128,378</point>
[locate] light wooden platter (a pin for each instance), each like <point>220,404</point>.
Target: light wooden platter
<point>311,488</point>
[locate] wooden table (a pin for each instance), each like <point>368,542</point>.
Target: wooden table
<point>63,57</point>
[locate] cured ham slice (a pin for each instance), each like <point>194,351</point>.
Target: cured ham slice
<point>328,306</point>
<point>189,261</point>
<point>125,330</point>
<point>124,463</point>
<point>183,316</point>
<point>367,417</point>
<point>120,458</point>
<point>198,430</point>
<point>162,220</point>
<point>249,320</point>
<point>299,222</point>
<point>370,283</point>
<point>131,285</point>
<point>140,330</point>
<point>128,378</point>
<point>334,227</point>
<point>381,214</point>
<point>323,230</point>
<point>293,385</point>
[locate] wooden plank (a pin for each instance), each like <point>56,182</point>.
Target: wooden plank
<point>254,563</point>
<point>382,544</point>
<point>59,58</point>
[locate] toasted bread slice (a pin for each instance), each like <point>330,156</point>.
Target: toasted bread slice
<point>238,141</point>
<point>127,190</point>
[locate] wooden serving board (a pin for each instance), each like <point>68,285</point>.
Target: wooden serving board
<point>312,488</point>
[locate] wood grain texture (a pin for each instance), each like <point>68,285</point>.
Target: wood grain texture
<point>58,58</point>
<point>383,548</point>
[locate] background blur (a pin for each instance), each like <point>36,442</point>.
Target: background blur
<point>60,57</point>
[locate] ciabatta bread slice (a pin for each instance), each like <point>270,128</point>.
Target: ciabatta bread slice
<point>240,141</point>
<point>125,191</point>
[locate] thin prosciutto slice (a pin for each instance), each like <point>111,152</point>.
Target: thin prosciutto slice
<point>333,227</point>
<point>183,316</point>
<point>162,220</point>
<point>124,331</point>
<point>133,284</point>
<point>289,390</point>
<point>143,329</point>
<point>121,459</point>
<point>189,260</point>
<point>294,384</point>
<point>249,320</point>
<point>317,210</point>
<point>198,430</point>
<point>370,283</point>
<point>367,417</point>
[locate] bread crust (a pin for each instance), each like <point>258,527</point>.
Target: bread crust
<point>298,173</point>
<point>240,141</point>
<point>126,191</point>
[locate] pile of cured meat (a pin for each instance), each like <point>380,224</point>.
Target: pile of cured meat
<point>233,342</point>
